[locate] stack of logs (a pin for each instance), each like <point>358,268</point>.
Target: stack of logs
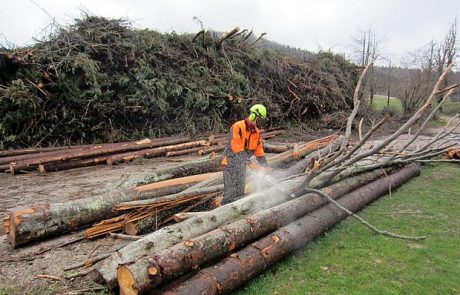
<point>248,235</point>
<point>169,191</point>
<point>69,157</point>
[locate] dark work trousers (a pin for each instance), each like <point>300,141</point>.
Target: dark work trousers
<point>234,178</point>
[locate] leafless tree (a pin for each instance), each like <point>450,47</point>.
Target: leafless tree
<point>426,64</point>
<point>365,50</point>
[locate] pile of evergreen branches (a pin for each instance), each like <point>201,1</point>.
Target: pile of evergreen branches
<point>101,80</point>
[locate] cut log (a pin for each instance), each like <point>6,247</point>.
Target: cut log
<point>183,152</point>
<point>173,234</point>
<point>272,148</point>
<point>65,150</point>
<point>194,167</point>
<point>72,164</point>
<point>212,149</point>
<point>309,147</point>
<point>245,264</point>
<point>307,150</point>
<point>190,228</point>
<point>150,153</point>
<point>184,257</point>
<point>38,222</point>
<point>176,181</point>
<point>144,144</point>
<point>20,152</point>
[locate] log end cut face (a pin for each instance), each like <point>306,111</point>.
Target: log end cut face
<point>126,281</point>
<point>10,224</point>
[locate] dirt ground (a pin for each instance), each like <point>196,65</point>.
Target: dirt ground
<point>19,267</point>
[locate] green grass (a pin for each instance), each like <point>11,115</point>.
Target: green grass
<point>451,108</point>
<point>380,102</point>
<point>349,259</point>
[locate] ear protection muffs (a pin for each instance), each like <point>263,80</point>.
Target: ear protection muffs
<point>252,116</point>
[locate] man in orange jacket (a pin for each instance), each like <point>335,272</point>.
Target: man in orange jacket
<point>244,141</point>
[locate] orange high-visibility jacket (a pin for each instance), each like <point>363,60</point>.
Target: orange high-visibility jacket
<point>242,138</point>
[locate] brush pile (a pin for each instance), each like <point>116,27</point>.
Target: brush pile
<point>101,80</point>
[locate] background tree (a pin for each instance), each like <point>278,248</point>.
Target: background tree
<point>366,49</point>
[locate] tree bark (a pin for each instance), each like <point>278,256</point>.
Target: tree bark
<point>245,264</point>
<point>150,153</point>
<point>16,155</point>
<point>273,148</point>
<point>170,235</point>
<point>38,222</point>
<point>72,164</point>
<point>190,228</point>
<point>302,151</point>
<point>100,150</point>
<point>205,151</point>
<point>183,152</point>
<point>184,257</point>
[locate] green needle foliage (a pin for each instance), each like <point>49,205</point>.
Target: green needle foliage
<point>101,80</point>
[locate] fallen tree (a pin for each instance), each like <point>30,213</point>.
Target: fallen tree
<point>192,227</point>
<point>243,265</point>
<point>160,267</point>
<point>38,222</point>
<point>150,153</point>
<point>27,164</point>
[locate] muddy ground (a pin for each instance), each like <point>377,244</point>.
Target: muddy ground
<point>19,267</point>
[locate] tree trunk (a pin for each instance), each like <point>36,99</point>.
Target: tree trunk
<point>245,264</point>
<point>100,150</point>
<point>19,152</point>
<point>170,235</point>
<point>217,148</point>
<point>190,228</point>
<point>38,222</point>
<point>53,151</point>
<point>273,148</point>
<point>170,263</point>
<point>72,164</point>
<point>286,157</point>
<point>325,148</point>
<point>150,153</point>
<point>194,167</point>
<point>183,152</point>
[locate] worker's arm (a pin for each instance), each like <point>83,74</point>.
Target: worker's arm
<point>260,154</point>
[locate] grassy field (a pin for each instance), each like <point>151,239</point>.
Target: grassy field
<point>379,102</point>
<point>451,108</point>
<point>349,259</point>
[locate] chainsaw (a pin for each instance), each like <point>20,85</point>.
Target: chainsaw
<point>264,173</point>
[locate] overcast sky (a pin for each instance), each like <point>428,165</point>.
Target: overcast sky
<point>401,25</point>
